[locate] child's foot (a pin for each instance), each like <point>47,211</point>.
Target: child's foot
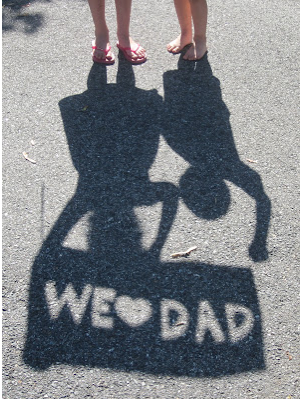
<point>134,52</point>
<point>102,51</point>
<point>196,51</point>
<point>177,45</point>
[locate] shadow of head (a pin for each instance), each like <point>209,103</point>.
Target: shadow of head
<point>207,196</point>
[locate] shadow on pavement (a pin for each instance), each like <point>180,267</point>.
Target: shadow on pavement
<point>197,127</point>
<point>17,14</point>
<point>117,305</point>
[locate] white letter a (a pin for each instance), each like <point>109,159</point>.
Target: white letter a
<point>169,331</point>
<point>208,321</point>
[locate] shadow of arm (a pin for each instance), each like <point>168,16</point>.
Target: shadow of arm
<point>250,181</point>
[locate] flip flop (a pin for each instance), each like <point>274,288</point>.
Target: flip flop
<point>103,60</point>
<point>133,61</point>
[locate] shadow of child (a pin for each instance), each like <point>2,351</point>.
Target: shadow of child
<point>197,127</point>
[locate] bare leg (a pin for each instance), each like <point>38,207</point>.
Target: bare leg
<point>101,30</point>
<point>123,8</point>
<point>183,11</point>
<point>199,16</point>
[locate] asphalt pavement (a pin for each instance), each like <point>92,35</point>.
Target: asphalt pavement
<point>150,212</point>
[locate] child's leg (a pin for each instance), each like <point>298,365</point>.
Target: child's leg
<point>101,31</point>
<point>199,16</point>
<point>123,8</point>
<point>183,11</point>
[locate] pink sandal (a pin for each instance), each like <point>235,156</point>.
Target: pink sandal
<point>133,61</point>
<point>105,60</point>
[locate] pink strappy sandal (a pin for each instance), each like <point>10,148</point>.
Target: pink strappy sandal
<point>106,61</point>
<point>133,61</point>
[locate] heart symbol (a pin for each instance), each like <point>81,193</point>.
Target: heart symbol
<point>133,312</point>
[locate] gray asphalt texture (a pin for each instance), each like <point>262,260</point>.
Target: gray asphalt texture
<point>133,164</point>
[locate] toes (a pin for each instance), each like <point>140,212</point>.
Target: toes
<point>138,54</point>
<point>98,54</point>
<point>170,47</point>
<point>109,56</point>
<point>173,49</point>
<point>140,51</point>
<point>132,55</point>
<point>101,55</point>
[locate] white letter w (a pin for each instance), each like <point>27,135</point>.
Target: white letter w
<point>76,305</point>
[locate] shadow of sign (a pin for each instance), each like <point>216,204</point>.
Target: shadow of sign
<point>117,305</point>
